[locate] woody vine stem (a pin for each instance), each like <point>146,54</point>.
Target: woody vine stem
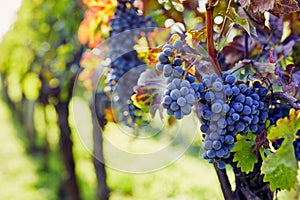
<point>209,31</point>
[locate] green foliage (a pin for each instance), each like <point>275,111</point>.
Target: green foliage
<point>280,168</point>
<point>243,154</point>
<point>43,41</point>
<point>237,19</point>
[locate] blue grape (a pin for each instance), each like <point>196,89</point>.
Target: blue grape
<point>186,109</point>
<point>213,136</point>
<point>216,108</point>
<point>217,86</point>
<point>171,86</point>
<point>167,70</point>
<point>249,101</point>
<point>226,108</point>
<point>207,114</point>
<point>167,46</point>
<point>236,110</point>
<point>239,126</point>
<point>209,96</point>
<point>185,83</point>
<point>178,114</point>
<point>191,79</point>
<point>228,92</point>
<point>175,94</point>
<point>167,100</point>
<point>211,153</point>
<point>174,106</point>
<point>230,79</point>
<point>184,91</point>
<point>178,44</point>
<point>220,153</point>
<point>235,90</point>
<point>181,101</point>
<point>208,145</point>
<point>168,52</point>
<point>177,61</point>
<point>217,145</point>
<point>159,66</point>
<point>235,117</point>
<point>256,84</point>
<point>229,139</point>
<point>190,98</point>
<point>169,111</point>
<point>240,98</point>
<point>238,107</point>
<point>163,58</point>
<point>221,164</point>
<point>246,110</point>
<point>243,87</point>
<point>204,128</point>
<point>206,82</point>
<point>247,119</point>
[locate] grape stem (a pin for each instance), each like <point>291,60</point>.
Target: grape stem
<point>209,31</point>
<point>287,98</point>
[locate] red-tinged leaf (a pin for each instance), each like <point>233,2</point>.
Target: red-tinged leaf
<point>289,81</point>
<point>285,7</point>
<point>262,5</point>
<point>244,3</point>
<point>149,89</point>
<point>95,25</point>
<point>152,56</point>
<point>194,37</point>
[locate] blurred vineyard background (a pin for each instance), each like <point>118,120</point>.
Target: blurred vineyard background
<point>41,154</point>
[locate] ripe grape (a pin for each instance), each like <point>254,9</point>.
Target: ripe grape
<point>229,108</point>
<point>178,44</point>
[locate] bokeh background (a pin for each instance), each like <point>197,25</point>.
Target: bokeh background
<point>39,57</point>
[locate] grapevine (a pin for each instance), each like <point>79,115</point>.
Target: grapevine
<point>244,90</point>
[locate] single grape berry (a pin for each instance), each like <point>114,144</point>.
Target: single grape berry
<point>178,44</point>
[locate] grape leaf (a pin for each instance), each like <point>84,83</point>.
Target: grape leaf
<point>233,16</point>
<point>280,168</point>
<point>244,3</point>
<point>148,92</point>
<point>285,7</point>
<point>262,5</point>
<point>194,37</point>
<point>244,156</point>
<point>95,25</point>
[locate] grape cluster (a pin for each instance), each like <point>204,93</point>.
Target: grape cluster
<point>169,64</point>
<point>276,112</point>
<point>136,115</point>
<point>121,66</point>
<point>125,67</point>
<point>229,109</point>
<point>128,22</point>
<point>182,91</point>
<point>179,98</point>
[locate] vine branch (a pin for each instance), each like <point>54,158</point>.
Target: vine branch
<point>295,103</point>
<point>209,31</point>
<point>224,181</point>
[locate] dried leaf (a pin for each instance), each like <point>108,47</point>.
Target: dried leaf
<point>262,5</point>
<point>285,7</point>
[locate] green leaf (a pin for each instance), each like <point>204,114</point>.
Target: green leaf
<point>280,168</point>
<point>236,19</point>
<point>243,152</point>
